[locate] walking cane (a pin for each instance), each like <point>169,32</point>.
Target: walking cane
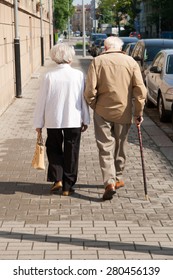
<point>142,160</point>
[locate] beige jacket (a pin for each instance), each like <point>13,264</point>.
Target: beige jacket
<point>114,87</point>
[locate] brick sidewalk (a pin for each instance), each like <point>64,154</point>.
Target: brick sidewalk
<point>37,225</point>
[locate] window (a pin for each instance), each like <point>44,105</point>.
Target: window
<point>169,64</point>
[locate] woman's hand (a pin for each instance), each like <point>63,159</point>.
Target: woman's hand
<point>39,130</point>
<point>83,127</point>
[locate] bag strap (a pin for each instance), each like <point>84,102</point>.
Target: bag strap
<point>40,140</point>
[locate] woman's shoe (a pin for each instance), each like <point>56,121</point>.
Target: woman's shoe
<point>56,186</point>
<point>68,193</point>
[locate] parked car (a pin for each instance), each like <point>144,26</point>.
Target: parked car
<point>97,47</point>
<point>77,33</point>
<point>146,49</point>
<point>128,40</point>
<point>93,38</point>
<point>172,114</point>
<point>135,34</point>
<point>129,48</point>
<point>159,83</point>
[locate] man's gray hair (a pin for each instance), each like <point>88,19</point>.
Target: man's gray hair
<point>62,53</point>
<point>113,42</point>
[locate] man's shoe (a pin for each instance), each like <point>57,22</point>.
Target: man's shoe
<point>109,192</point>
<point>68,193</point>
<point>119,184</point>
<point>56,186</point>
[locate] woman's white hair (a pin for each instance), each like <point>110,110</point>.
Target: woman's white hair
<point>113,42</point>
<point>62,53</point>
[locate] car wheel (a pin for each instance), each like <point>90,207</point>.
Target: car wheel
<point>148,103</point>
<point>161,108</point>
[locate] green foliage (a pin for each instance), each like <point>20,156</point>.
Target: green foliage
<point>62,10</point>
<point>125,7</point>
<point>79,45</point>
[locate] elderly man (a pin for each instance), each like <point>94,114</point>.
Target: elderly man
<point>115,91</point>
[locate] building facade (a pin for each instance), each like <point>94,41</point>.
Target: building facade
<point>77,19</point>
<point>27,22</point>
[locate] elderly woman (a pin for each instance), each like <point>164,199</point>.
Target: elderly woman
<point>62,109</point>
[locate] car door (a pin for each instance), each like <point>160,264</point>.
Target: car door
<point>153,78</point>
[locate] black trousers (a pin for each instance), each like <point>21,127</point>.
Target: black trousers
<point>62,148</point>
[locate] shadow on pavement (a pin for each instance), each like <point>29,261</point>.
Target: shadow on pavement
<point>81,242</point>
<point>8,188</point>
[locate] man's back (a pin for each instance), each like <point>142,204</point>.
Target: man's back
<point>114,74</point>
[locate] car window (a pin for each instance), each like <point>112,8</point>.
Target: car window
<point>127,49</point>
<point>158,61</point>
<point>169,65</point>
<point>145,55</point>
<point>161,61</point>
<point>98,36</point>
<point>99,42</point>
<point>138,50</point>
<point>151,51</point>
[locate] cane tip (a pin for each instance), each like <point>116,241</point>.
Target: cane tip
<point>146,197</point>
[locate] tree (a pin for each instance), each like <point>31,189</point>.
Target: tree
<point>63,9</point>
<point>118,9</point>
<point>161,14</point>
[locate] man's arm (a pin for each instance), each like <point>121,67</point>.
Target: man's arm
<point>139,93</point>
<point>90,93</point>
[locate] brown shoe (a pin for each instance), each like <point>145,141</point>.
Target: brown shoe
<point>119,184</point>
<point>109,192</point>
<point>56,186</point>
<point>68,193</point>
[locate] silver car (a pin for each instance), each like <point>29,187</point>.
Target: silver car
<point>159,82</point>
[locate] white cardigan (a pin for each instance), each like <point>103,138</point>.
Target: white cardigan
<point>60,102</point>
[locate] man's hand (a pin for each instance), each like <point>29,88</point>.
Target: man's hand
<point>138,120</point>
<point>83,127</point>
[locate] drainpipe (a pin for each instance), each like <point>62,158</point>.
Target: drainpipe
<point>41,31</point>
<point>84,39</point>
<point>17,52</point>
<point>50,27</point>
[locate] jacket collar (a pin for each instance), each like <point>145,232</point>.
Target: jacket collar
<point>112,51</point>
<point>64,65</point>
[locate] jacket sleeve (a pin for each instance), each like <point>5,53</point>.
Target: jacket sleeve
<point>39,113</point>
<point>90,93</point>
<point>139,91</point>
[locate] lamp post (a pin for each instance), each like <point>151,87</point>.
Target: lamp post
<point>17,52</point>
<point>83,17</point>
<point>41,34</point>
<point>68,27</point>
<point>50,27</point>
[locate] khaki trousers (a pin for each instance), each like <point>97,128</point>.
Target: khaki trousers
<point>111,139</point>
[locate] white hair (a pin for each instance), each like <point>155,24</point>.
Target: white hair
<point>113,42</point>
<point>62,53</point>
